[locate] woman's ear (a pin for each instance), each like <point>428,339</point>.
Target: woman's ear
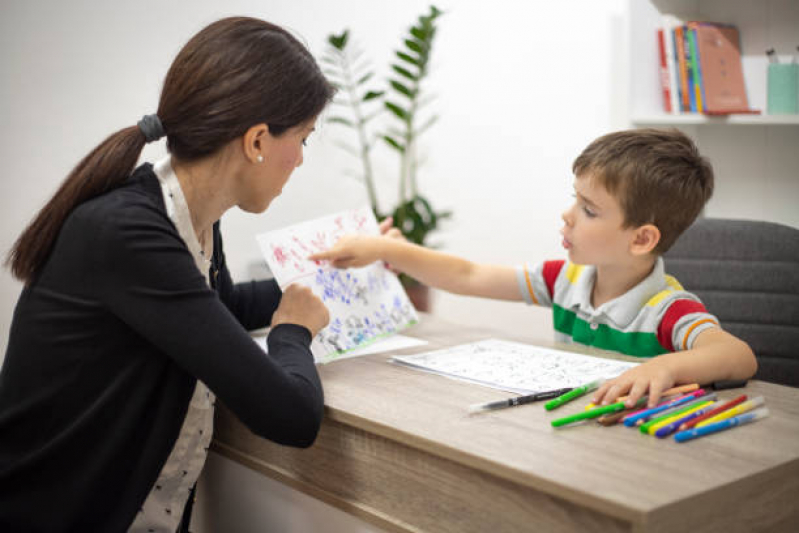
<point>256,143</point>
<point>645,239</point>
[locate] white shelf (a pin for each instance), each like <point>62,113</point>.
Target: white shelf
<point>755,157</point>
<point>697,119</point>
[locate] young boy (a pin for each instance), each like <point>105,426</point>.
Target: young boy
<point>635,193</point>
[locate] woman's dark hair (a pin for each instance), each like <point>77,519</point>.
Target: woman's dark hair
<point>232,75</point>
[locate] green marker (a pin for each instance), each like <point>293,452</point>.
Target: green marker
<point>595,412</point>
<point>574,393</point>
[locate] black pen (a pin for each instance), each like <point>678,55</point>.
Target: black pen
<point>518,400</point>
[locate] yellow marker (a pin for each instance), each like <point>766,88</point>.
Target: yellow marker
<point>735,411</point>
<point>654,427</point>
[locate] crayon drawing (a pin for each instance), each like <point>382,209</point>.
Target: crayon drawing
<point>365,303</point>
<point>515,367</point>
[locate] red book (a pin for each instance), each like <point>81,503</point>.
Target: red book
<point>665,82</point>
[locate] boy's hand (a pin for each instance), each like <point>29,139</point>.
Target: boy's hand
<point>359,250</point>
<point>651,378</point>
<point>351,251</point>
<point>299,305</point>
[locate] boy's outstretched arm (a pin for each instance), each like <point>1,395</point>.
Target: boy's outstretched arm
<point>715,356</point>
<point>437,269</point>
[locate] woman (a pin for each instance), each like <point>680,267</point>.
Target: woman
<point>129,325</point>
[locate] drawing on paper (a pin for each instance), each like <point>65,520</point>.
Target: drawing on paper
<point>365,303</point>
<point>515,367</point>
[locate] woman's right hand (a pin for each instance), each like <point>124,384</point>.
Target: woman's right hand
<point>299,305</point>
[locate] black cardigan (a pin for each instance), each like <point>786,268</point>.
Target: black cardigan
<point>104,351</point>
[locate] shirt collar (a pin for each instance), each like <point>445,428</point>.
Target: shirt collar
<point>178,211</point>
<point>625,308</point>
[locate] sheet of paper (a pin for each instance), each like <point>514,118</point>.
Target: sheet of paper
<point>515,367</point>
<point>389,344</point>
<point>365,304</point>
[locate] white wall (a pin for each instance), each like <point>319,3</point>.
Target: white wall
<point>522,87</point>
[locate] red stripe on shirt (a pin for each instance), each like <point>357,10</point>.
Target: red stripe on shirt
<point>677,310</point>
<point>551,271</point>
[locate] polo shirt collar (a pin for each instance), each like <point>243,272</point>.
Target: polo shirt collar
<point>622,310</point>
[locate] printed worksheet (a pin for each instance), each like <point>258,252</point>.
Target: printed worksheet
<point>515,367</point>
<point>365,303</point>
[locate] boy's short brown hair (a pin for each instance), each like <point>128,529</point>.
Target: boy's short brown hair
<point>658,176</point>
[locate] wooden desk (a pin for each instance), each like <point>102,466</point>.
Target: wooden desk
<point>398,449</point>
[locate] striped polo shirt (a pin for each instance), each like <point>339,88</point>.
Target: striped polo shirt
<point>656,316</point>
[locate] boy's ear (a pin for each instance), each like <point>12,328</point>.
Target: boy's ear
<point>645,239</point>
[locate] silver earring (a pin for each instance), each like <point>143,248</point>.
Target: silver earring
<point>260,158</point>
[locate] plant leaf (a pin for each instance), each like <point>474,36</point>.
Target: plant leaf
<point>424,127</point>
<point>416,46</point>
<point>408,58</point>
<point>402,89</point>
<point>419,33</point>
<point>339,42</point>
<point>347,148</point>
<point>397,110</point>
<point>394,144</point>
<point>404,72</point>
<point>341,120</point>
<point>371,95</point>
<point>364,78</point>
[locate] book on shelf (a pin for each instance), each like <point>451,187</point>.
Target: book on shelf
<point>720,63</point>
<point>665,84</point>
<point>702,63</point>
<point>696,72</point>
<point>673,80</point>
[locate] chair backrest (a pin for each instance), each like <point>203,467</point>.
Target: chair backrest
<point>747,274</point>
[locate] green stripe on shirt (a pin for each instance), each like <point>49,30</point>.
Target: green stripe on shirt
<point>635,343</point>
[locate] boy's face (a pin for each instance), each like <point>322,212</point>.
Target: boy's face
<point>593,232</point>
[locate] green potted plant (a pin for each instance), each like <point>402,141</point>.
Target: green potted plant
<point>404,102</point>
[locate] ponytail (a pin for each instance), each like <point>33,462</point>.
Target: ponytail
<point>233,74</point>
<point>105,168</point>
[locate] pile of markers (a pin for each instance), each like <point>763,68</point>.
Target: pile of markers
<point>687,412</point>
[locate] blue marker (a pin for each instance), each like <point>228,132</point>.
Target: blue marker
<point>665,431</point>
<point>631,420</point>
<point>745,418</point>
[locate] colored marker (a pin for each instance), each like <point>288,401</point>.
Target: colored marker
<point>571,395</point>
<point>646,414</point>
<point>593,413</point>
<point>670,428</point>
<point>735,411</point>
<point>671,411</point>
<point>665,421</point>
<point>615,418</point>
<point>682,389</point>
<point>518,400</point>
<point>739,420</point>
<point>713,412</point>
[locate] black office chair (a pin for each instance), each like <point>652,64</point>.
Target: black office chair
<point>747,274</point>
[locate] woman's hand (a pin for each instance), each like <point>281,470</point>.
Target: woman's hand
<point>652,378</point>
<point>299,305</point>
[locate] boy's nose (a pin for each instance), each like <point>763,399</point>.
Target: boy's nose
<point>566,216</point>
